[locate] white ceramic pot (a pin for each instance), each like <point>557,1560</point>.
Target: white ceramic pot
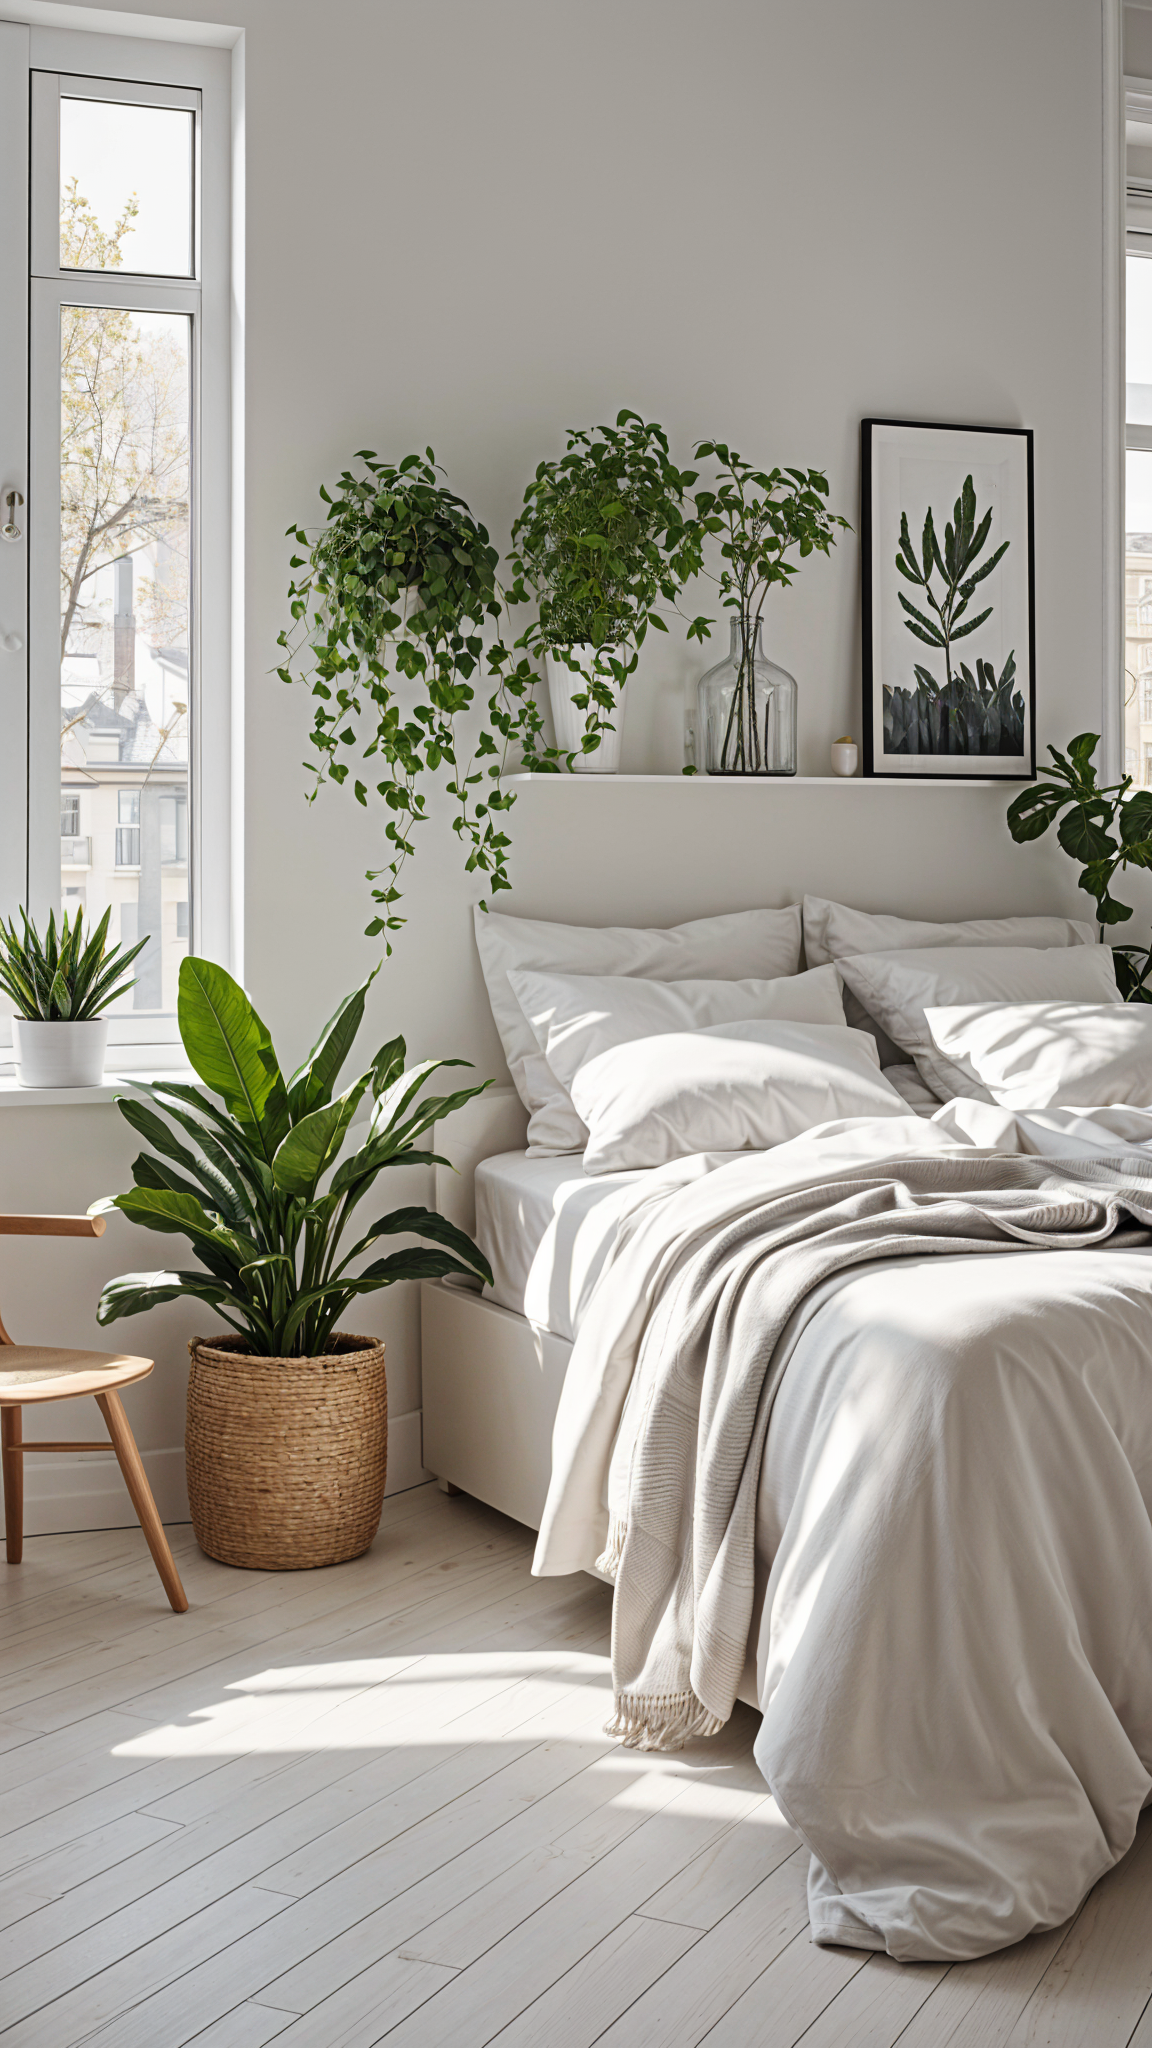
<point>565,683</point>
<point>59,1055</point>
<point>844,757</point>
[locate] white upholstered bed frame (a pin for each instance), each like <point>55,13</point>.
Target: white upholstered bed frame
<point>492,1379</point>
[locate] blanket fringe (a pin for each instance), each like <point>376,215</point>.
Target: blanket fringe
<point>657,1721</point>
<point>608,1561</point>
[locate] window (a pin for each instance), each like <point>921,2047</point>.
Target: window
<point>126,269</point>
<point>1146,702</point>
<point>127,831</point>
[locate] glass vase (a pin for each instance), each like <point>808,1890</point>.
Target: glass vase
<point>746,711</point>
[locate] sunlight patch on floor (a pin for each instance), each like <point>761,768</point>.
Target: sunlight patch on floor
<point>380,1703</point>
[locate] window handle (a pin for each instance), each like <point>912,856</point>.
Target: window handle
<point>10,530</point>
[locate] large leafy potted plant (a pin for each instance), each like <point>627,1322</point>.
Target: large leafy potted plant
<point>287,1416</point>
<point>1102,827</point>
<point>391,596</point>
<point>601,541</point>
<point>746,705</point>
<point>61,985</point>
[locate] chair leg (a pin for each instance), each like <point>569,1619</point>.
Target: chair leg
<point>12,1459</point>
<point>136,1480</point>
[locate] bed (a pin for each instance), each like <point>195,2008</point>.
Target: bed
<point>940,1594</point>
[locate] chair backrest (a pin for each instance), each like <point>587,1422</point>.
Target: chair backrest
<point>48,1226</point>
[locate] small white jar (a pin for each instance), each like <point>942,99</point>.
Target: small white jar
<point>845,755</point>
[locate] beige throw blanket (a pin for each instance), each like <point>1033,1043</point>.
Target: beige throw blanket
<point>692,1308</point>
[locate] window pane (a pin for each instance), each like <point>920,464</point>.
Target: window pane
<point>125,188</point>
<point>125,633</point>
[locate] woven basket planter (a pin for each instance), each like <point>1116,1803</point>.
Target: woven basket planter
<point>286,1457</point>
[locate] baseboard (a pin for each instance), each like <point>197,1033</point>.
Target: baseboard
<point>405,1467</point>
<point>67,1494</point>
<point>64,1495</point>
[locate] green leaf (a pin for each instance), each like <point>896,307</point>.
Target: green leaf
<point>1081,750</point>
<point>426,1223</point>
<point>220,1186</point>
<point>132,1294</point>
<point>183,1216</point>
<point>1081,835</point>
<point>1135,818</point>
<point>312,1145</point>
<point>231,1050</point>
<point>312,1083</point>
<point>388,1065</point>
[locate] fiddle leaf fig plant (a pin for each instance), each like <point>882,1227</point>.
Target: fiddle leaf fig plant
<point>762,518</point>
<point>603,538</point>
<point>390,599</point>
<point>252,1168</point>
<point>1103,828</point>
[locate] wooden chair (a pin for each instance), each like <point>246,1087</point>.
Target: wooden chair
<point>30,1373</point>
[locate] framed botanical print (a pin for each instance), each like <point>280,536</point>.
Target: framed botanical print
<point>949,601</point>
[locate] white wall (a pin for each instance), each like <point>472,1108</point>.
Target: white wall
<point>476,223</point>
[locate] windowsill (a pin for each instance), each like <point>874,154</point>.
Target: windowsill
<point>13,1096</point>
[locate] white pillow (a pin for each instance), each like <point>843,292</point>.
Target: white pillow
<point>897,988</point>
<point>1051,1055</point>
<point>575,1016</point>
<point>742,943</point>
<point>905,1079</point>
<point>727,1088</point>
<point>834,931</point>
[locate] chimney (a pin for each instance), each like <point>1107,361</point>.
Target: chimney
<point>123,633</point>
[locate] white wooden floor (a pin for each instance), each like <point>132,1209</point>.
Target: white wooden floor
<point>372,1804</point>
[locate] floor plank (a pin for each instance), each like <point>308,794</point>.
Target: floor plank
<point>334,1809</point>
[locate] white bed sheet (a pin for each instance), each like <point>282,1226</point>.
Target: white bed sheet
<point>546,1228</point>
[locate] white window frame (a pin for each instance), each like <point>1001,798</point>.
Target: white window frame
<point>33,62</point>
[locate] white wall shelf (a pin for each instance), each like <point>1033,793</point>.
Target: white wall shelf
<point>786,781</point>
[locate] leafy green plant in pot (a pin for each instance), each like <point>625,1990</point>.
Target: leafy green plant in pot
<point>601,541</point>
<point>1102,827</point>
<point>61,985</point>
<point>387,609</point>
<point>287,1416</point>
<point>746,705</point>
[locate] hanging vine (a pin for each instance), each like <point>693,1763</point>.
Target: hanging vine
<point>398,584</point>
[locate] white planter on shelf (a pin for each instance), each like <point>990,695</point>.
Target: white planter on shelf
<point>60,1055</point>
<point>564,683</point>
<point>845,756</point>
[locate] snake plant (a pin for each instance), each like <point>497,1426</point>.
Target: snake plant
<point>59,979</point>
<point>261,1191</point>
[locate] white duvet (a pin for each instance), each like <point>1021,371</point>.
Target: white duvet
<point>954,1632</point>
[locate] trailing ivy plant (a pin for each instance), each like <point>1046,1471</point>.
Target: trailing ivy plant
<point>602,540</point>
<point>1103,828</point>
<point>394,589</point>
<point>762,517</point>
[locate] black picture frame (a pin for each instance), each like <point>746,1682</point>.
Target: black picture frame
<point>938,446</point>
